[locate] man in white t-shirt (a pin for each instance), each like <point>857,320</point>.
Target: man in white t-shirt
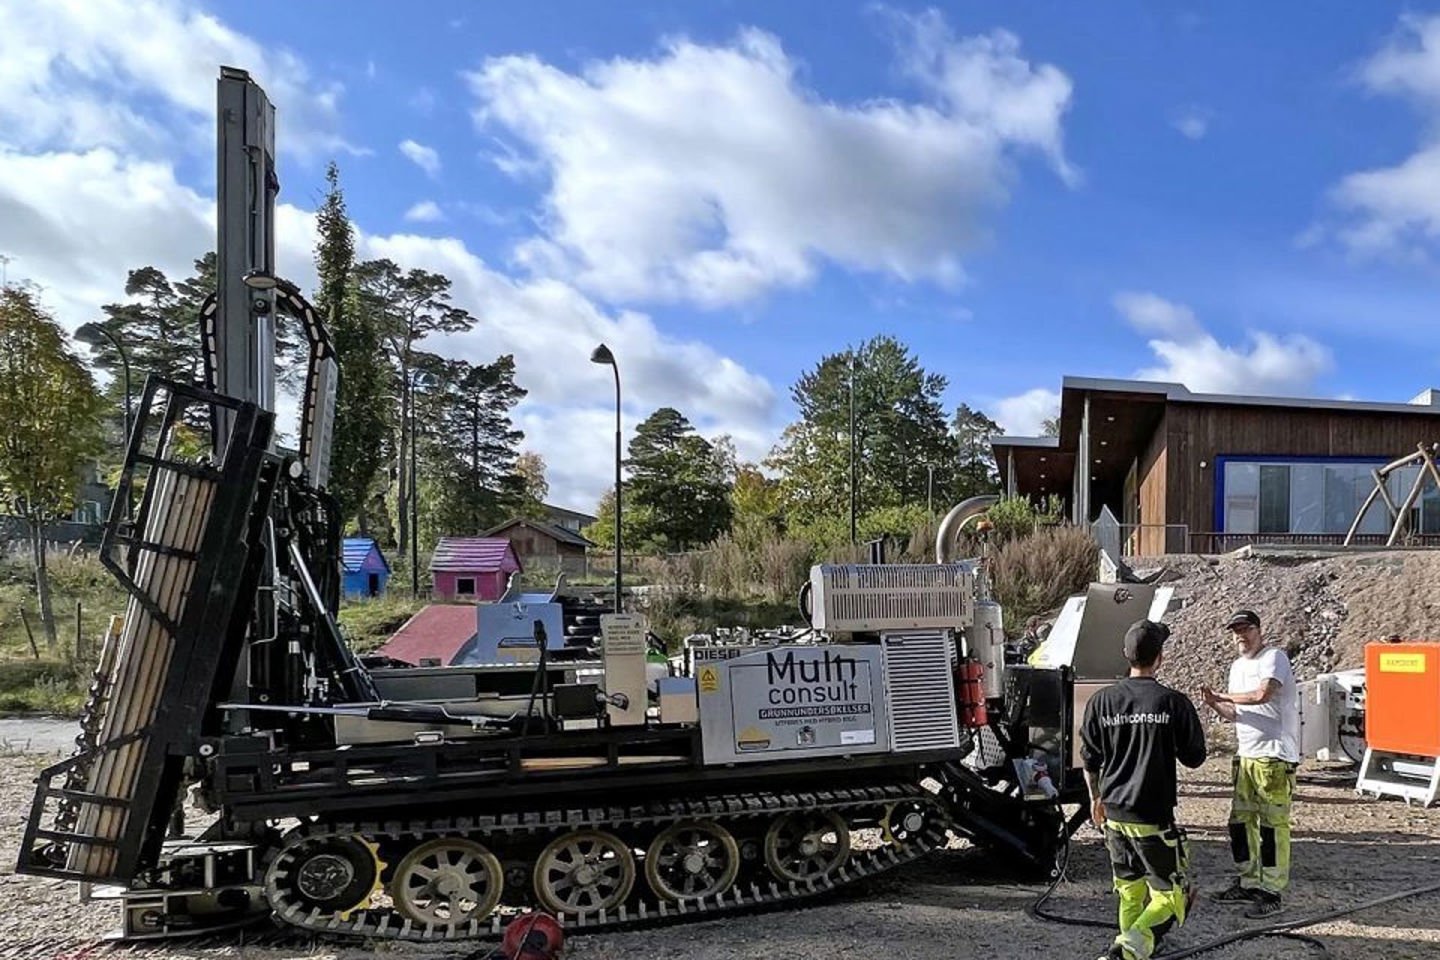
<point>1263,703</point>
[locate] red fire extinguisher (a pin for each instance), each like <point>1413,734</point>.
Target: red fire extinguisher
<point>970,693</point>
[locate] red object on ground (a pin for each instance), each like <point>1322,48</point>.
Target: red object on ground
<point>535,936</point>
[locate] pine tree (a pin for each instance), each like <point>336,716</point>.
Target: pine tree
<point>362,411</point>
<point>407,306</point>
<point>679,483</point>
<point>469,444</point>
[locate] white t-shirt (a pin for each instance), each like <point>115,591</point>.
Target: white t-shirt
<point>1269,729</point>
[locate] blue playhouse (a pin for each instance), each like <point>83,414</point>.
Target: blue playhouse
<point>365,568</point>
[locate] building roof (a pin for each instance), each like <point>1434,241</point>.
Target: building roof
<point>1179,393</point>
<point>471,554</point>
<point>549,529</point>
<point>1126,413</point>
<point>354,550</point>
<point>565,513</point>
<point>439,631</point>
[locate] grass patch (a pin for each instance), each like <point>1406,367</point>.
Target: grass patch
<point>369,623</point>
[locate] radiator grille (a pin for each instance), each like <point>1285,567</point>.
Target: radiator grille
<point>893,597</point>
<point>920,689</point>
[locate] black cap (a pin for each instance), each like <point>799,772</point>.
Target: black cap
<point>1144,640</point>
<point>1243,618</point>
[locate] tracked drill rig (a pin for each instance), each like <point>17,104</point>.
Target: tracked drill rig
<point>415,802</point>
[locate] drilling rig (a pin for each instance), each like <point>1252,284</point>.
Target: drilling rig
<point>411,802</point>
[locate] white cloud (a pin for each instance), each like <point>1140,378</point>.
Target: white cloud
<point>426,158</point>
<point>75,223</point>
<point>1025,415</point>
<point>1148,313</point>
<point>426,211</point>
<point>1395,210</point>
<point>712,174</point>
<point>1192,122</point>
<point>72,76</point>
<point>1189,354</point>
<point>550,328</point>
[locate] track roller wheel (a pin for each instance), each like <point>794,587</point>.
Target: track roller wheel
<point>583,872</point>
<point>336,875</point>
<point>692,861</point>
<point>806,845</point>
<point>904,821</point>
<point>448,882</point>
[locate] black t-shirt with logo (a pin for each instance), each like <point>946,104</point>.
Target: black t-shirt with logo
<point>1134,732</point>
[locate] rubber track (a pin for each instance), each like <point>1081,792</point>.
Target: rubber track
<point>386,924</point>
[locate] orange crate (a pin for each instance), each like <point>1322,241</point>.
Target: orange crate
<point>1402,698</point>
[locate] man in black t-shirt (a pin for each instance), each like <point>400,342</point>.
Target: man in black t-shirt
<point>1134,732</point>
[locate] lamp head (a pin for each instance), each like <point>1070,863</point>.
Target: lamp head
<point>90,333</point>
<point>602,354</point>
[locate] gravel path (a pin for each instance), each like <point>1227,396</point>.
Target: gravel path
<point>955,905</point>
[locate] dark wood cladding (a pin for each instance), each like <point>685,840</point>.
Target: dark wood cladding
<point>1199,433</point>
<point>1153,486</point>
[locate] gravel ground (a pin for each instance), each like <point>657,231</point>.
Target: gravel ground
<point>956,904</point>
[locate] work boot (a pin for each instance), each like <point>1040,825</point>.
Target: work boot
<point>1235,894</point>
<point>1266,905</point>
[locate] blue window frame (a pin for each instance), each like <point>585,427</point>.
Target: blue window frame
<point>1279,494</point>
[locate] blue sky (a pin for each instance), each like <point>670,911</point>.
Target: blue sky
<point>1237,197</point>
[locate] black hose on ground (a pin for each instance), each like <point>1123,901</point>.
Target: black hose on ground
<point>1283,929</point>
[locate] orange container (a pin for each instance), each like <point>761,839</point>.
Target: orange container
<point>1402,698</point>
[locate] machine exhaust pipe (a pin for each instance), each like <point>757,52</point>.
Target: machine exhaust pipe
<point>956,521</point>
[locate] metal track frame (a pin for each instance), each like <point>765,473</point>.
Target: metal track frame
<point>384,924</point>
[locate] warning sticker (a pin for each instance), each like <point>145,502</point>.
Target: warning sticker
<point>1402,663</point>
<point>709,680</point>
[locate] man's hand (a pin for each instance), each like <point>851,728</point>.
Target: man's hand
<point>1223,704</point>
<point>1097,812</point>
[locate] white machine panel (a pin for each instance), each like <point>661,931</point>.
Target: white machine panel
<point>623,648</point>
<point>851,598</point>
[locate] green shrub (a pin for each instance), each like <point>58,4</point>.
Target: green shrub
<point>18,675</point>
<point>1034,574</point>
<point>370,622</point>
<point>1016,517</point>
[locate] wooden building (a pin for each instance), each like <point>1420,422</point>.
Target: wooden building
<point>472,568</point>
<point>566,519</point>
<point>542,545</point>
<point>364,568</point>
<point>1190,472</point>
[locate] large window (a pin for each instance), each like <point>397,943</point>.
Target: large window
<point>1318,498</point>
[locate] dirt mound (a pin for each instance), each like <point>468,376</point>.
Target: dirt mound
<point>1323,609</point>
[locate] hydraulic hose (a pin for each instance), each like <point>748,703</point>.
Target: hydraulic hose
<point>1285,928</point>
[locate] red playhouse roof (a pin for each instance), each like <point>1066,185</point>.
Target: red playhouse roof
<point>474,555</point>
<point>437,632</point>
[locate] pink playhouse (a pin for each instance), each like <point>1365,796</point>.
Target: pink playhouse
<point>472,568</point>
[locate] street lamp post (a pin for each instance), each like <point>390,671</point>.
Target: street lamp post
<point>854,484</point>
<point>96,335</point>
<point>602,355</point>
